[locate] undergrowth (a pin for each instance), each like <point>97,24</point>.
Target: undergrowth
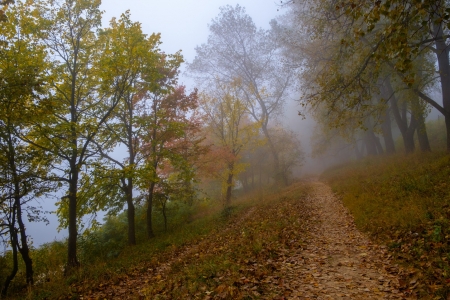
<point>403,202</point>
<point>106,258</point>
<point>241,252</point>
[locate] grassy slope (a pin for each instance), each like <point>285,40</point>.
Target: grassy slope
<point>225,250</point>
<point>404,202</point>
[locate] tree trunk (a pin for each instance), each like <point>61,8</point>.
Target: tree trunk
<point>229,184</point>
<point>130,213</point>
<point>244,180</point>
<point>400,117</point>
<point>442,50</point>
<point>274,152</point>
<point>10,277</point>
<point>378,145</point>
<point>422,135</point>
<point>150,233</point>
<point>24,250</point>
<point>72,261</point>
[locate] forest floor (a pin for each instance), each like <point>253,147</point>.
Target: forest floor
<point>305,246</point>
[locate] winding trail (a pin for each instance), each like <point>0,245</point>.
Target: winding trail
<point>339,262</point>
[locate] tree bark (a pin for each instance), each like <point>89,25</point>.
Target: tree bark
<point>274,152</point>
<point>72,261</point>
<point>400,117</point>
<point>422,135</point>
<point>17,213</point>
<point>23,249</point>
<point>130,213</point>
<point>442,50</point>
<point>150,233</point>
<point>14,243</point>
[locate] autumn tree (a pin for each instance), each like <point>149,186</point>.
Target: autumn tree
<point>227,119</point>
<point>130,59</point>
<point>290,151</point>
<point>79,106</point>
<point>23,167</point>
<point>338,65</point>
<point>166,121</point>
<point>236,48</point>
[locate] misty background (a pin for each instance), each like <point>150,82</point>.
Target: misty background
<point>183,25</point>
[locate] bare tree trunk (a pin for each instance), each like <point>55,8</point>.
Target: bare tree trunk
<point>400,117</point>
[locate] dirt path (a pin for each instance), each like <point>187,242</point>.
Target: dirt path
<point>339,262</point>
<point>336,262</point>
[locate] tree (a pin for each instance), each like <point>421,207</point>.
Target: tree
<point>23,167</point>
<point>226,117</point>
<point>132,60</point>
<point>79,108</point>
<point>167,120</point>
<point>237,49</point>
<point>339,60</point>
<point>289,150</point>
<point>395,35</point>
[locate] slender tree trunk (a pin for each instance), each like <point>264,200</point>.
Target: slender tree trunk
<point>130,213</point>
<point>378,145</point>
<point>274,152</point>
<point>400,117</point>
<point>229,184</point>
<point>24,250</point>
<point>72,261</point>
<point>130,184</point>
<point>150,233</point>
<point>386,129</point>
<point>10,277</point>
<point>422,135</point>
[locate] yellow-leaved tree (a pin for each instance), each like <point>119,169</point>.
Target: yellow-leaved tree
<point>230,130</point>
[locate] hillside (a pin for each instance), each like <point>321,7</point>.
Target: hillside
<point>300,243</point>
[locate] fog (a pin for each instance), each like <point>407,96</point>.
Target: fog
<point>183,26</point>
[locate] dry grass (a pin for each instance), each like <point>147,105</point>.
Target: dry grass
<point>403,202</point>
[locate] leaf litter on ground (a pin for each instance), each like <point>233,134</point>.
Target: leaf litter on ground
<point>299,244</point>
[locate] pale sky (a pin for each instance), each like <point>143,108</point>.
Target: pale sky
<point>183,25</point>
